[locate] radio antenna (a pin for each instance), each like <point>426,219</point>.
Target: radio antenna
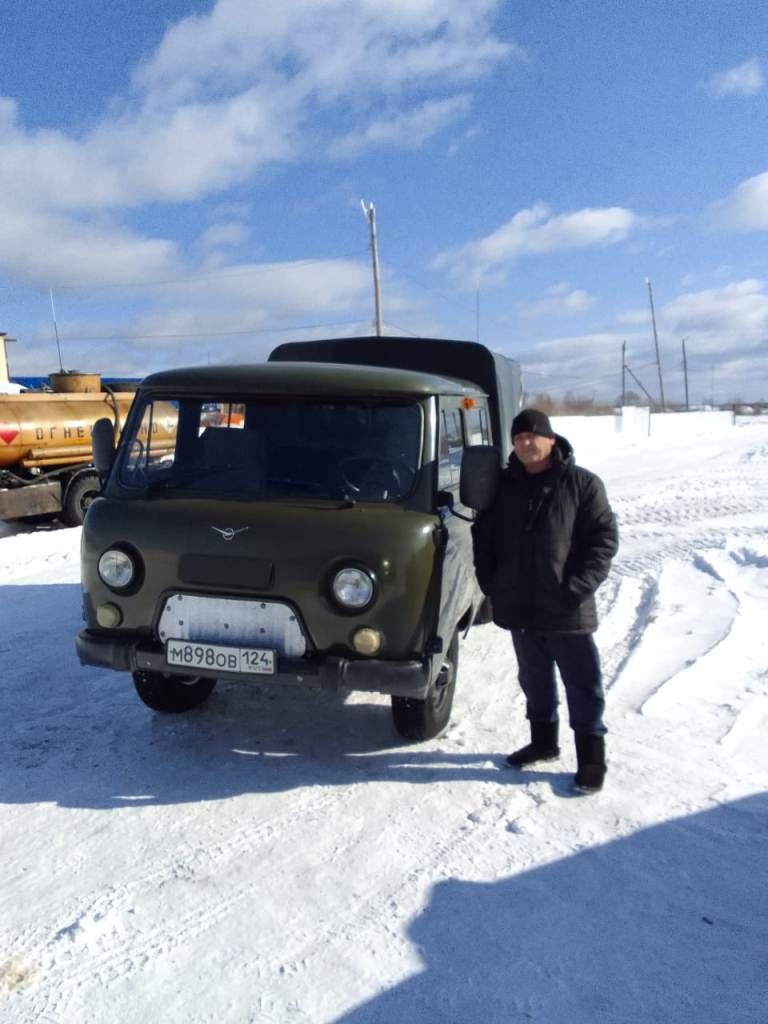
<point>56,330</point>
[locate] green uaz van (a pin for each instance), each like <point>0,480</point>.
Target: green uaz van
<point>298,521</point>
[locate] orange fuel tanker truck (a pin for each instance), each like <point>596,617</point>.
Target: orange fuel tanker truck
<point>45,445</point>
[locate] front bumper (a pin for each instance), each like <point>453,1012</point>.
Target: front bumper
<point>397,678</point>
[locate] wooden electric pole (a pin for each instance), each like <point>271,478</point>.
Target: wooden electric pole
<point>370,213</point>
<point>685,376</point>
<point>656,343</point>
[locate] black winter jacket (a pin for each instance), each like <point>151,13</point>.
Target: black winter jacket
<point>545,546</point>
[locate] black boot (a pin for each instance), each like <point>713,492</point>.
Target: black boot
<point>543,746</point>
<point>590,758</point>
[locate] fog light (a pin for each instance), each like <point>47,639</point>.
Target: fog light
<point>109,616</point>
<point>366,640</point>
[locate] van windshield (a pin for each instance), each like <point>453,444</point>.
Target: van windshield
<point>273,448</point>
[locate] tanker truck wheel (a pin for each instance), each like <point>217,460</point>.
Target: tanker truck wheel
<point>425,719</point>
<point>165,692</point>
<point>79,496</point>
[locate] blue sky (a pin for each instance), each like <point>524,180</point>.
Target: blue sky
<point>187,177</point>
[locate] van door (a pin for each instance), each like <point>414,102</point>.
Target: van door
<point>461,421</point>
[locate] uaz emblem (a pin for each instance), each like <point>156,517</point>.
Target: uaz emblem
<point>229,533</point>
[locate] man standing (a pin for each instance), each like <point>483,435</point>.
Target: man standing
<point>541,552</point>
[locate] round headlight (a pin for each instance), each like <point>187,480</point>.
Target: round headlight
<point>353,588</point>
<point>116,568</point>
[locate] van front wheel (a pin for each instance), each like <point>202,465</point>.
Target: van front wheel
<point>425,719</point>
<point>164,692</point>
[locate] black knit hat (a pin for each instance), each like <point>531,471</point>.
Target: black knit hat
<point>532,421</point>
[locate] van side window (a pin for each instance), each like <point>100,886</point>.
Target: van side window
<point>152,450</point>
<point>478,430</point>
<point>451,444</point>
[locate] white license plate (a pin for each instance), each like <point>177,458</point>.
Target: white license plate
<point>251,660</point>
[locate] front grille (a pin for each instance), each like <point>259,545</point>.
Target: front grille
<point>233,572</point>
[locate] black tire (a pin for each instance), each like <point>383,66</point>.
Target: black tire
<point>425,719</point>
<point>80,494</point>
<point>165,692</point>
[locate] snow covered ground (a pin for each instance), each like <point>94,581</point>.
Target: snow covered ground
<point>281,856</point>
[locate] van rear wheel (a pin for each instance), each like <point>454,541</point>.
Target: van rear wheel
<point>425,719</point>
<point>164,692</point>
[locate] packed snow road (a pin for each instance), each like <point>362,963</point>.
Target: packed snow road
<point>279,855</point>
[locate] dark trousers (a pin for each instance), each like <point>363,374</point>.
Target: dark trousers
<point>577,659</point>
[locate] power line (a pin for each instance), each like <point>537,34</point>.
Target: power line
<point>273,268</point>
<point>564,381</point>
<point>213,333</point>
<point>397,327</point>
<point>433,291</point>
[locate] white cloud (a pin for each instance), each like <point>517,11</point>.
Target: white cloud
<point>534,231</point>
<point>717,273</point>
<point>559,300</point>
<point>721,318</point>
<point>744,80</point>
<point>465,138</point>
<point>241,305</point>
<point>283,289</point>
<point>633,317</point>
<point>583,346</point>
<point>46,249</point>
<point>408,129</point>
<point>746,208</point>
<point>223,235</point>
<point>226,93</point>
<point>235,312</point>
<point>716,319</point>
<point>324,47</point>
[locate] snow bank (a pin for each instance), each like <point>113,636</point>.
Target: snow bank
<point>638,422</point>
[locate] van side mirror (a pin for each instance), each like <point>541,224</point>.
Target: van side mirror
<point>103,442</point>
<point>480,472</point>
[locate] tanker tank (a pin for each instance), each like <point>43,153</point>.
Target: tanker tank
<point>45,446</point>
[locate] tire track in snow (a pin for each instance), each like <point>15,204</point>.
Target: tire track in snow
<point>670,529</point>
<point>674,635</point>
<point>722,697</point>
<point>299,948</point>
<point>83,929</point>
<point>624,624</point>
<point>110,920</point>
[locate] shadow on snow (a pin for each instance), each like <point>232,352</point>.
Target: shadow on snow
<point>667,925</point>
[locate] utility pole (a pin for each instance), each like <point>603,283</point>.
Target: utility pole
<point>370,215</point>
<point>623,371</point>
<point>685,376</point>
<point>656,343</point>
